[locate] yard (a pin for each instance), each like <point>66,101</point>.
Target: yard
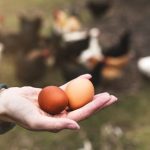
<point>123,126</point>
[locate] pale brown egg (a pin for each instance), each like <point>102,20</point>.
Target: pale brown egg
<point>80,92</point>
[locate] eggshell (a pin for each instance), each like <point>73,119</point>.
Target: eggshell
<point>52,99</point>
<point>80,92</point>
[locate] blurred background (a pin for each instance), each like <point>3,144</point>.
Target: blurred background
<point>51,42</point>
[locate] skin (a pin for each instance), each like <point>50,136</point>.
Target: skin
<point>20,105</point>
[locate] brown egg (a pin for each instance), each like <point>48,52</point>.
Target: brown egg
<point>52,100</point>
<point>79,92</point>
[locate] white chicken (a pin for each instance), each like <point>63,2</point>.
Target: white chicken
<point>91,56</point>
<point>74,36</point>
<point>144,66</point>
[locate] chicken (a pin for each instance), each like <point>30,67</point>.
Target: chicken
<point>94,61</point>
<point>84,61</point>
<point>119,62</point>
<point>117,57</point>
<point>111,73</point>
<point>121,48</point>
<point>93,55</point>
<point>144,66</point>
<point>98,8</point>
<point>111,61</point>
<point>71,70</point>
<point>31,67</point>
<point>72,45</point>
<point>64,23</point>
<point>92,58</point>
<point>29,32</point>
<point>74,36</point>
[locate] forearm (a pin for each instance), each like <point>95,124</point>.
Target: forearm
<point>5,125</point>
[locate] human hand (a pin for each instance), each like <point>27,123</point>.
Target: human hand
<point>99,102</point>
<point>20,105</point>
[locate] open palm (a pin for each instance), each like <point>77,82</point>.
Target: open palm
<point>21,106</point>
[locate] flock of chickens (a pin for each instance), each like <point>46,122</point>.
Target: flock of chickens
<point>71,47</point>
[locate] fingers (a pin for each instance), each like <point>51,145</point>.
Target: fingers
<point>110,102</point>
<point>51,124</point>
<point>101,94</point>
<point>86,76</point>
<point>87,110</point>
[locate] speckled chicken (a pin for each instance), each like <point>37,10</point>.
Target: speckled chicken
<point>64,22</point>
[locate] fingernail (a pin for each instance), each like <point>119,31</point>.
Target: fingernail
<point>114,98</point>
<point>88,74</point>
<point>74,126</point>
<point>106,94</point>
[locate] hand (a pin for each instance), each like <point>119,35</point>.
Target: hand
<point>20,105</point>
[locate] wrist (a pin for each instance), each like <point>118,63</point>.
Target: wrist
<point>2,108</point>
<point>5,124</point>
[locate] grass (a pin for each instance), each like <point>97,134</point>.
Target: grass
<point>131,114</point>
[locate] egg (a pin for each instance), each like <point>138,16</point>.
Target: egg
<point>80,92</point>
<point>52,99</point>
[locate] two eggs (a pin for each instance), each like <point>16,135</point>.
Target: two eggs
<point>78,93</point>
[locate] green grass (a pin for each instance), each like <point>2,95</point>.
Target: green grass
<point>131,114</point>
